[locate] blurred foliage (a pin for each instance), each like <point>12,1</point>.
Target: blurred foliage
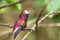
<point>53,6</point>
<point>1,18</point>
<point>17,6</point>
<point>38,3</point>
<point>4,2</point>
<point>0,0</point>
<point>10,15</point>
<point>32,36</point>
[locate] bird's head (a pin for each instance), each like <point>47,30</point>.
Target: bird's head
<point>27,11</point>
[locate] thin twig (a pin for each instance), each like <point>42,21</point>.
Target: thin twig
<point>41,12</point>
<point>36,25</point>
<point>28,32</point>
<point>28,24</point>
<point>33,28</point>
<point>56,12</point>
<point>39,23</point>
<point>10,26</point>
<point>11,4</point>
<point>6,25</point>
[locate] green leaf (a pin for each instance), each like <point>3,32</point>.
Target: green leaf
<point>53,5</point>
<point>17,6</point>
<point>10,1</point>
<point>38,3</point>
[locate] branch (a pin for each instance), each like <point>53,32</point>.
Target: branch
<point>33,28</point>
<point>11,4</point>
<point>35,25</point>
<point>6,25</point>
<point>55,12</point>
<point>40,22</point>
<point>9,26</point>
<point>28,32</point>
<point>39,25</point>
<point>41,12</point>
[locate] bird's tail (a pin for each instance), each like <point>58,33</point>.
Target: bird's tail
<point>16,31</point>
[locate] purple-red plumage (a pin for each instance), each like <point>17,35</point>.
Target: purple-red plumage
<point>20,23</point>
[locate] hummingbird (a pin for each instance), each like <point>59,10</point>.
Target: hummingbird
<point>20,23</point>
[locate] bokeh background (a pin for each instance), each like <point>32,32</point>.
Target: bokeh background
<point>9,15</point>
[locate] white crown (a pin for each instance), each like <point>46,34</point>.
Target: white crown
<point>26,12</point>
